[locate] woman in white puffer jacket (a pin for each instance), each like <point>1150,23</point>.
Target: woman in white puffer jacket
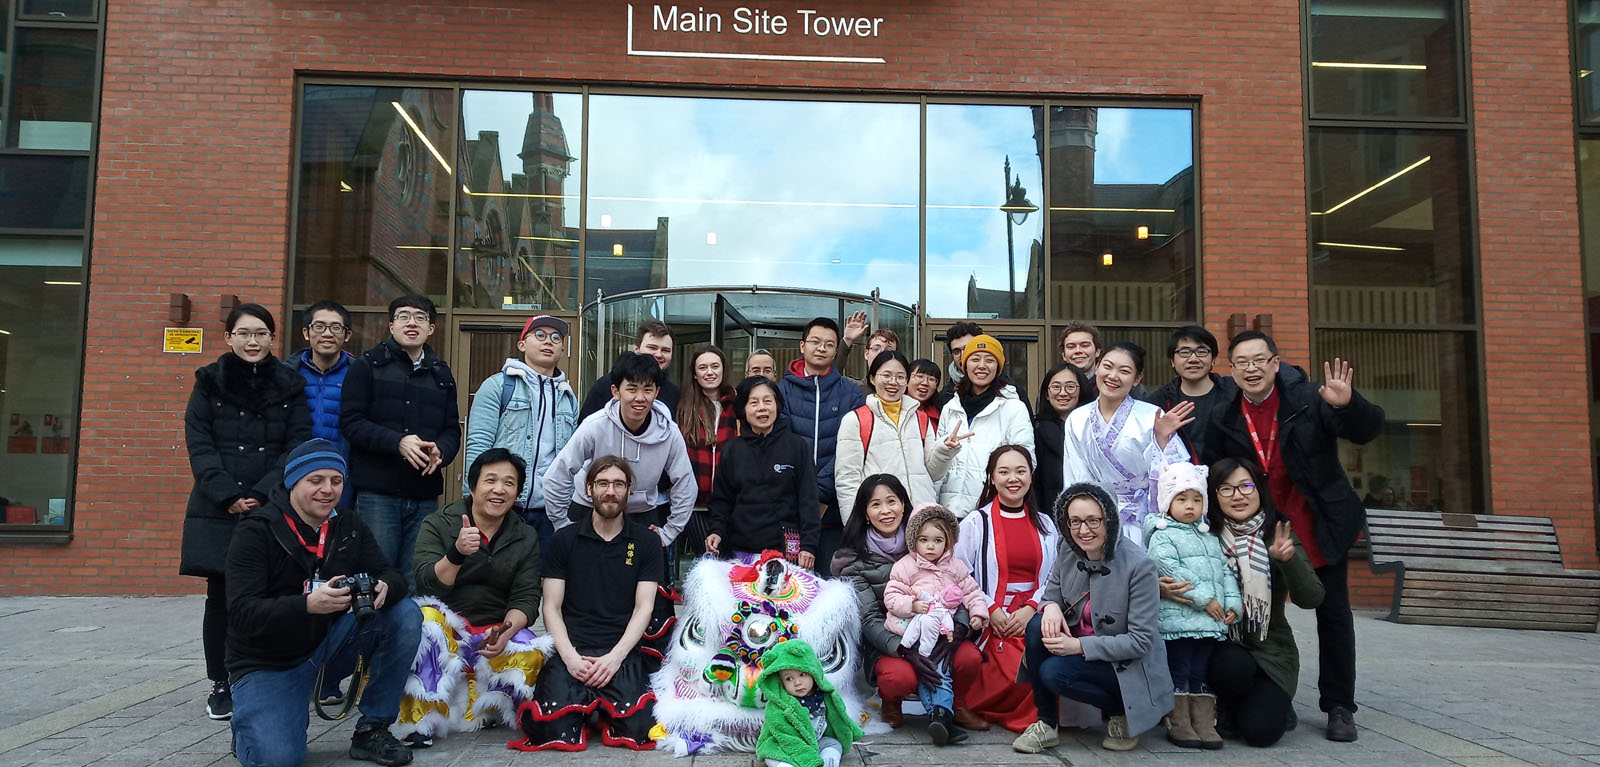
<point>897,433</point>
<point>986,412</point>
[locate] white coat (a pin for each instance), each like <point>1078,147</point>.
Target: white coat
<point>897,449</point>
<point>1004,422</point>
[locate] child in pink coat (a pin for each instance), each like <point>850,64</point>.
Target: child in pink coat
<point>920,578</point>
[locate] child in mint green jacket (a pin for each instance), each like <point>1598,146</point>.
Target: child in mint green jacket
<point>1183,548</point>
<point>807,724</point>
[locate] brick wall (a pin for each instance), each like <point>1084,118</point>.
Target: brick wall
<point>195,154</point>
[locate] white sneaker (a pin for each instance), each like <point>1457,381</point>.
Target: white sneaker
<point>1117,736</point>
<point>1038,737</point>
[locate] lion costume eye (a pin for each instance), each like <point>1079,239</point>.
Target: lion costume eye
<point>836,655</point>
<point>693,634</point>
<point>761,631</point>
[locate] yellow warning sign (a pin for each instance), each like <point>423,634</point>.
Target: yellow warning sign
<point>182,340</point>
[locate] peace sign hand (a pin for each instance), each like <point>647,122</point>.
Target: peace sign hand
<point>1336,377</point>
<point>1169,422</point>
<point>955,439</point>
<point>1282,548</point>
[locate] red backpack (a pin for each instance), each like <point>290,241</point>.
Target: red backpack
<point>864,419</point>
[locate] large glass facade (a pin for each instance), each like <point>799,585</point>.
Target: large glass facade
<point>1587,52</point>
<point>49,68</point>
<point>1394,277</point>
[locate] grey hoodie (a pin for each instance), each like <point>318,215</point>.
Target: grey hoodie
<point>659,451</point>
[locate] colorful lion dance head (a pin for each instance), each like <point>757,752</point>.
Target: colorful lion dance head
<point>706,694</point>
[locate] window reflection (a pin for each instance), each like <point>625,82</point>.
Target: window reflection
<point>1122,214</point>
<point>1428,384</point>
<point>985,229</point>
<point>517,213</point>
<point>697,191</point>
<point>373,220</point>
<point>1389,229</point>
<point>43,192</point>
<point>52,95</point>
<point>1390,59</point>
<point>1588,43</point>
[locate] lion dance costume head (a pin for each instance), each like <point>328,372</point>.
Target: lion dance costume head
<point>707,699</point>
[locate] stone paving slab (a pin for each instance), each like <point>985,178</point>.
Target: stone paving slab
<point>120,682</point>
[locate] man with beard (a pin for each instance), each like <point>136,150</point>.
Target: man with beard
<point>611,566</point>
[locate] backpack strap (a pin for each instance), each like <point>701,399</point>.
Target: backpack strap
<point>923,422</point>
<point>864,420</point>
<point>508,387</point>
<point>984,515</point>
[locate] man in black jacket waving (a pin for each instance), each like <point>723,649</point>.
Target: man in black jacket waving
<point>1290,427</point>
<point>399,413</point>
<point>290,598</point>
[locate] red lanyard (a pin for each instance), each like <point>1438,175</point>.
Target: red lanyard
<point>1264,454</point>
<point>322,536</point>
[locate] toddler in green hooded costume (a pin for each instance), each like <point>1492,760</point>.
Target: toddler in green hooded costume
<point>807,724</point>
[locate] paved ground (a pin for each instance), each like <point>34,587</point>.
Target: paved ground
<point>121,682</point>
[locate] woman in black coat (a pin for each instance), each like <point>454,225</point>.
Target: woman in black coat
<point>765,492</point>
<point>247,411</point>
<point>1059,393</point>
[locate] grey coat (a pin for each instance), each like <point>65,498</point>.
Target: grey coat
<point>1124,599</point>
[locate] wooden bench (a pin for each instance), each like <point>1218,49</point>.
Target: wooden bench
<point>1469,570</point>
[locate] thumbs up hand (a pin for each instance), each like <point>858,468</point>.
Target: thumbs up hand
<point>469,540</point>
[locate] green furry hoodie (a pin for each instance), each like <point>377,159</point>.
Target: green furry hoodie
<point>787,734</point>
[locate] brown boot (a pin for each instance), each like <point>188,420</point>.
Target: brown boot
<point>1179,730</point>
<point>891,713</point>
<point>965,719</point>
<point>1203,718</point>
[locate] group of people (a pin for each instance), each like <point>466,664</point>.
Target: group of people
<point>1005,557</point>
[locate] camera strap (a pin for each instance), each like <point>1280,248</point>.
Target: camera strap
<point>322,536</point>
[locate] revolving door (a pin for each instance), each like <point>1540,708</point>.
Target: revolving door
<point>739,320</point>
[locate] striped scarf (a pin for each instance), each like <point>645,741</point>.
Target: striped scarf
<point>1247,558</point>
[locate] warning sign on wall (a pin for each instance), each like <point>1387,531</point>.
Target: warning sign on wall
<point>182,340</point>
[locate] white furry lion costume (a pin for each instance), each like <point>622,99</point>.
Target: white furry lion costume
<point>706,694</point>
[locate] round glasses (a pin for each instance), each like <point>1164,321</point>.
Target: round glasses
<point>1243,488</point>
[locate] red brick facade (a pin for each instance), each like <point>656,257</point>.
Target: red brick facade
<point>192,193</point>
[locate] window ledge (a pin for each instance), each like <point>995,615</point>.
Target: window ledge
<point>61,537</point>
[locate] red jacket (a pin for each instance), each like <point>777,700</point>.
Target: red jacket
<point>703,455</point>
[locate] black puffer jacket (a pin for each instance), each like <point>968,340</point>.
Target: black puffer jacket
<point>268,626</point>
<point>385,399</point>
<point>868,571</point>
<point>765,483</point>
<point>1193,434</point>
<point>1049,432</point>
<point>242,420</point>
<point>1309,431</point>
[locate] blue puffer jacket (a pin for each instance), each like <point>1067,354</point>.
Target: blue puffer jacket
<point>814,405</point>
<point>1182,551</point>
<point>323,392</point>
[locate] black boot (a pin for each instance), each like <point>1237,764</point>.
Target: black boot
<point>1225,726</point>
<point>942,729</point>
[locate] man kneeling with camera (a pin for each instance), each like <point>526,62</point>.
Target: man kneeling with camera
<point>308,592</point>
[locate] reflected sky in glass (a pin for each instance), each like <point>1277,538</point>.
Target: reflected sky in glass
<point>1142,146</point>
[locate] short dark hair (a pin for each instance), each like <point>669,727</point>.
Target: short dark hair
<point>1252,335</point>
<point>414,301</point>
<point>1046,411</point>
<point>1132,350</point>
<point>250,310</point>
<point>607,462</point>
<point>637,368</point>
<point>326,305</point>
<point>747,387</point>
<point>1079,326</point>
<point>822,322</point>
<point>925,365</point>
<point>1193,333</point>
<point>497,455</point>
<point>961,329</point>
<point>653,328</point>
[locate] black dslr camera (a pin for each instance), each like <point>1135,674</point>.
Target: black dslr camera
<point>362,594</point>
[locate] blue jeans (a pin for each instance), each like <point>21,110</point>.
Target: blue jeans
<point>940,693</point>
<point>394,522</point>
<point>1088,681</point>
<point>271,708</point>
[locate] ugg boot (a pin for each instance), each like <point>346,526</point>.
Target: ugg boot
<point>891,713</point>
<point>1180,731</point>
<point>942,729</point>
<point>1203,718</point>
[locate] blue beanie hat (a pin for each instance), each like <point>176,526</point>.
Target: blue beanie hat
<point>311,455</point>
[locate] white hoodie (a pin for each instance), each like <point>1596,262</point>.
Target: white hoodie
<point>660,450</point>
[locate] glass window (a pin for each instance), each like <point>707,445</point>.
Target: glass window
<point>367,329</point>
<point>517,216</point>
<point>1588,39</point>
<point>41,364</point>
<point>373,216</point>
<point>60,9</point>
<point>1429,386</point>
<point>704,191</point>
<point>1390,235</point>
<point>985,241</point>
<point>1122,213</point>
<point>1589,207</point>
<point>52,95</point>
<point>41,192</point>
<point>1385,58</point>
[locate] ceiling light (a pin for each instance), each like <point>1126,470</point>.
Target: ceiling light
<point>343,187</point>
<point>605,219</point>
<point>5,332</point>
<point>1359,246</point>
<point>1370,189</point>
<point>62,282</point>
<point>1424,424</point>
<point>545,239</point>
<point>616,248</point>
<point>1105,259</point>
<point>1142,233</point>
<point>404,115</point>
<point>1364,65</point>
<point>711,238</point>
<point>421,247</point>
<point>1109,210</point>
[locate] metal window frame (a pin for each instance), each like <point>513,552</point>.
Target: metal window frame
<point>1463,80</point>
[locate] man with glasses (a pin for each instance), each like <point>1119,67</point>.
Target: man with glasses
<point>324,364</point>
<point>761,363</point>
<point>654,339</point>
<point>1193,351</point>
<point>1290,426</point>
<point>530,409</point>
<point>815,398</point>
<point>399,413</point>
<point>880,341</point>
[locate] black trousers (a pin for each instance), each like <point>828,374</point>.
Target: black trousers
<point>1336,640</point>
<point>214,629</point>
<point>1259,707</point>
